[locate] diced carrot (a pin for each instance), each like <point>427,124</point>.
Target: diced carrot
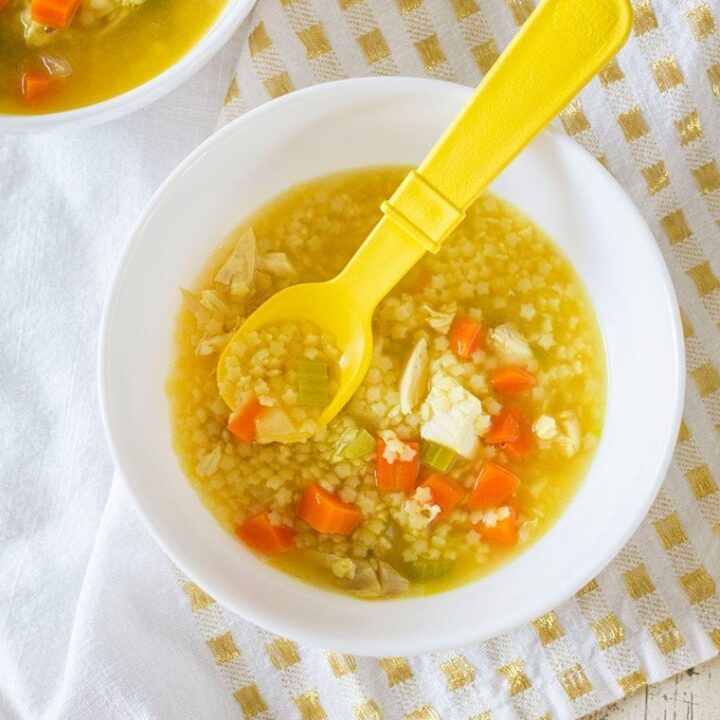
<point>493,486</point>
<point>505,426</point>
<point>33,84</point>
<point>445,492</point>
<point>4,4</point>
<point>397,476</point>
<point>260,534</point>
<point>503,533</point>
<point>465,336</point>
<point>511,379</point>
<point>242,423</point>
<point>58,13</point>
<point>523,445</point>
<point>326,513</point>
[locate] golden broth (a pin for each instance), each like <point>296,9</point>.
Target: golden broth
<point>497,265</point>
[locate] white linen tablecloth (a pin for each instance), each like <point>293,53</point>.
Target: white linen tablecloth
<point>95,622</point>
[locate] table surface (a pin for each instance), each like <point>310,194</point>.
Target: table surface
<point>691,695</point>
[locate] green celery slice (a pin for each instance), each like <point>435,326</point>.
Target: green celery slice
<point>362,444</point>
<point>312,383</point>
<point>436,456</point>
<point>424,570</point>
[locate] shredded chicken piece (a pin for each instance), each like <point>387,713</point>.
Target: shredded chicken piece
<point>510,343</point>
<point>210,345</point>
<point>545,427</point>
<point>365,581</point>
<point>275,425</point>
<point>572,433</point>
<point>440,320</point>
<point>565,431</point>
<point>452,416</point>
<point>238,271</point>
<point>209,463</point>
<point>211,301</point>
<point>391,581</point>
<point>276,263</point>
<point>413,384</point>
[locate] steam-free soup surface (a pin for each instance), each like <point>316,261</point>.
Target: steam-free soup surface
<point>472,430</point>
<point>94,51</point>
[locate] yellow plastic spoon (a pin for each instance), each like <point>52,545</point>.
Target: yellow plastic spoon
<point>558,50</point>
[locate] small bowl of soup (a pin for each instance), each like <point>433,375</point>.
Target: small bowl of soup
<point>516,421</point>
<point>81,62</point>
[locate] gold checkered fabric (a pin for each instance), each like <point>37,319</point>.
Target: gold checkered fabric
<point>652,117</point>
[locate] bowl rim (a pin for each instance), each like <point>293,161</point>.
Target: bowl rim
<point>556,595</point>
<point>209,44</point>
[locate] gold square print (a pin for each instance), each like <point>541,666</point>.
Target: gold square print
<point>611,73</point>
<point>707,379</point>
<point>520,10</point>
<point>705,281</point>
<point>707,177</point>
<point>633,124</point>
<point>638,582</point>
<point>644,19</point>
<point>701,481</point>
<point>198,598</point>
<point>516,678</point>
<point>632,681</point>
<point>430,52</point>
<point>667,73</point>
<point>396,669</point>
<point>689,128</point>
<point>278,85</point>
<point>656,177</point>
<point>714,77</point>
<point>425,712</point>
<point>676,227</point>
<point>259,40</point>
<point>309,707</point>
<point>702,21</point>
<point>282,653</point>
<point>373,46</point>
<point>608,631</point>
<point>458,672</point>
<point>485,55</point>
<point>250,701</point>
<point>464,8</point>
<point>575,682</point>
<point>666,635</point>
<point>368,710</point>
<point>341,664</point>
<point>670,531</point>
<point>698,585</point>
<point>223,648</point>
<point>548,628</point>
<point>573,119</point>
<point>407,6</point>
<point>314,40</point>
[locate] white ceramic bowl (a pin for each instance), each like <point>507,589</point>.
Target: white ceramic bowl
<point>206,47</point>
<point>376,122</point>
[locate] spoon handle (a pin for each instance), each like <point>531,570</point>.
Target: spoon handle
<point>559,49</point>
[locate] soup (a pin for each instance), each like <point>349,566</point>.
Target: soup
<point>64,54</point>
<point>471,431</point>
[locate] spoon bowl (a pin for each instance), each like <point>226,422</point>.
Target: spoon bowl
<point>319,303</point>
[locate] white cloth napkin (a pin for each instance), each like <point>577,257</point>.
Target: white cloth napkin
<point>68,201</point>
<point>96,623</point>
